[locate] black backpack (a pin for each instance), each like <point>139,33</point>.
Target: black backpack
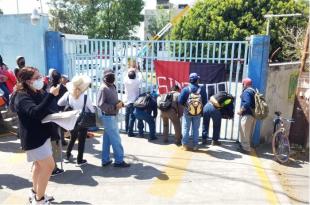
<point>142,101</point>
<point>165,101</point>
<point>225,103</point>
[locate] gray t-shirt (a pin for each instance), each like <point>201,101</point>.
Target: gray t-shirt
<point>107,99</point>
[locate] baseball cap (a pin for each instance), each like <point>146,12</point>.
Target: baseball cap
<point>193,77</point>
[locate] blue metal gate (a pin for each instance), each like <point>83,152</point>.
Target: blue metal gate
<point>92,57</point>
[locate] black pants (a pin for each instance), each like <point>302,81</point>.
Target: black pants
<point>81,135</point>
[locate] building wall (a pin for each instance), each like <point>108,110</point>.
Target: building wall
<point>18,37</point>
<point>280,82</point>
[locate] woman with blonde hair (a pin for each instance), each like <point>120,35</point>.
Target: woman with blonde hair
<point>75,98</point>
<point>31,105</point>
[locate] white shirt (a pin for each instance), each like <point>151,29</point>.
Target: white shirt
<point>132,89</point>
<point>76,104</point>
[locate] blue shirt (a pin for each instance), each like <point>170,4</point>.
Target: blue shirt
<point>248,101</point>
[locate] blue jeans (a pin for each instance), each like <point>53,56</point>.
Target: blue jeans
<point>187,121</point>
<point>130,119</point>
<point>209,111</point>
<point>111,137</point>
<point>143,115</point>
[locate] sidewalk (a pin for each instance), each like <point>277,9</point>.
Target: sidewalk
<point>161,174</point>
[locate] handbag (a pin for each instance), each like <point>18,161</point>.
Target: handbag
<point>86,119</point>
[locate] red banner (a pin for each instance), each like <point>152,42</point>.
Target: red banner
<point>170,73</point>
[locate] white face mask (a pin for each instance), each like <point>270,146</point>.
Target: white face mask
<point>38,84</point>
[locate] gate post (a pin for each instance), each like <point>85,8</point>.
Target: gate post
<point>54,51</point>
<point>257,71</point>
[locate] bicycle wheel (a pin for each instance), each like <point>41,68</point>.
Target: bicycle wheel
<point>280,146</point>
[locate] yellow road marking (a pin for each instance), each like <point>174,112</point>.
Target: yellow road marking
<point>14,199</point>
<point>267,186</point>
<point>167,183</point>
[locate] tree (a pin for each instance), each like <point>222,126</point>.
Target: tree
<point>1,12</point>
<point>119,18</point>
<point>113,19</point>
<point>238,19</point>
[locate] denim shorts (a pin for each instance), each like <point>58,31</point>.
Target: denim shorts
<point>41,152</point>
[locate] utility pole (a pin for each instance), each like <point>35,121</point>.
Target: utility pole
<point>17,7</point>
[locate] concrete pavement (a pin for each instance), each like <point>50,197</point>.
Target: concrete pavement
<point>161,174</point>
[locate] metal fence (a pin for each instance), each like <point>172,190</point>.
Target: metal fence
<point>92,57</point>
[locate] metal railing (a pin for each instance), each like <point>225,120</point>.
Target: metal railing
<point>92,57</point>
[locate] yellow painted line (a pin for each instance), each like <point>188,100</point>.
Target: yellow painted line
<point>268,189</point>
<point>169,181</point>
<point>14,199</point>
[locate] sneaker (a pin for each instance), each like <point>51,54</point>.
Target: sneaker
<point>107,163</point>
<point>178,143</point>
<point>32,196</point>
<point>185,148</point>
<point>69,158</point>
<point>122,165</point>
<point>195,148</point>
<point>214,143</point>
<point>43,201</point>
<point>152,138</point>
<point>204,141</point>
<point>131,135</point>
<point>141,135</point>
<point>81,163</point>
<point>57,171</point>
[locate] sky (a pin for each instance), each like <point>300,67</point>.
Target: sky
<point>27,6</point>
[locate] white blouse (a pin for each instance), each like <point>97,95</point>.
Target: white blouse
<point>76,104</point>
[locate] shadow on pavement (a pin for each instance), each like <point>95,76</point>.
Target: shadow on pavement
<point>86,175</point>
<point>9,144</point>
<point>70,202</point>
<point>13,182</point>
<point>264,151</point>
<point>221,154</point>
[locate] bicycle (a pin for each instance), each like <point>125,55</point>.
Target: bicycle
<point>280,142</point>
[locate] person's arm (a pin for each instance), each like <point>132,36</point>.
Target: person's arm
<point>183,96</point>
<point>63,100</point>
<point>27,106</point>
<point>154,108</point>
<point>101,102</point>
<point>245,102</point>
<point>203,95</point>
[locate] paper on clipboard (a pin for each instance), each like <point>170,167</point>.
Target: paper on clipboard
<point>65,120</point>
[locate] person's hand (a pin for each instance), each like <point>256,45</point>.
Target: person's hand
<point>119,105</point>
<point>55,90</point>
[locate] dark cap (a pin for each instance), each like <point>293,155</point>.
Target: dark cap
<point>193,77</point>
<point>108,72</point>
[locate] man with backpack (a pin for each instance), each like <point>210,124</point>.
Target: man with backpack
<point>145,106</point>
<point>220,105</point>
<point>247,121</point>
<point>171,109</point>
<point>193,97</point>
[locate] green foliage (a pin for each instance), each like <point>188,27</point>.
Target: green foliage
<point>238,19</point>
<point>113,19</point>
<point>1,12</point>
<point>158,21</point>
